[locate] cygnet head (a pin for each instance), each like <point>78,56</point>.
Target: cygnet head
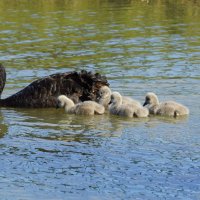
<point>151,99</point>
<point>116,98</point>
<point>103,96</point>
<point>64,101</point>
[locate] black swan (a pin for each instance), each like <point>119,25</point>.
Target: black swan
<point>43,93</point>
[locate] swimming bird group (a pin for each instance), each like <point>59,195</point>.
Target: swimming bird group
<point>86,93</point>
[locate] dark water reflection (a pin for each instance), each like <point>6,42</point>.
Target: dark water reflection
<point>141,46</point>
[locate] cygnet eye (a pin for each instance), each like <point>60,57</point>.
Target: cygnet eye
<point>147,99</point>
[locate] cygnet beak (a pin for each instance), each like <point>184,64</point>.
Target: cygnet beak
<point>57,104</point>
<point>109,102</point>
<point>145,103</point>
<point>91,97</point>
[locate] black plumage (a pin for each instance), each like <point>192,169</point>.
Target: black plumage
<point>43,93</point>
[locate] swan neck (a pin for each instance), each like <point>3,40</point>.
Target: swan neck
<point>2,78</point>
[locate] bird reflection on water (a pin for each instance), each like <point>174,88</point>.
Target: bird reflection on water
<point>53,124</point>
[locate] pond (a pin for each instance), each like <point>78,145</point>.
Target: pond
<point>141,46</point>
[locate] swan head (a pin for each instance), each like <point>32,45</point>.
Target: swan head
<point>64,101</point>
<point>116,98</point>
<point>151,99</point>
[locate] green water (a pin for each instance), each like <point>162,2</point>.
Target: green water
<point>141,46</point>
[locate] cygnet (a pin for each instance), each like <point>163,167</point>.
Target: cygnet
<point>167,108</point>
<point>83,108</point>
<point>103,96</point>
<point>128,110</point>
